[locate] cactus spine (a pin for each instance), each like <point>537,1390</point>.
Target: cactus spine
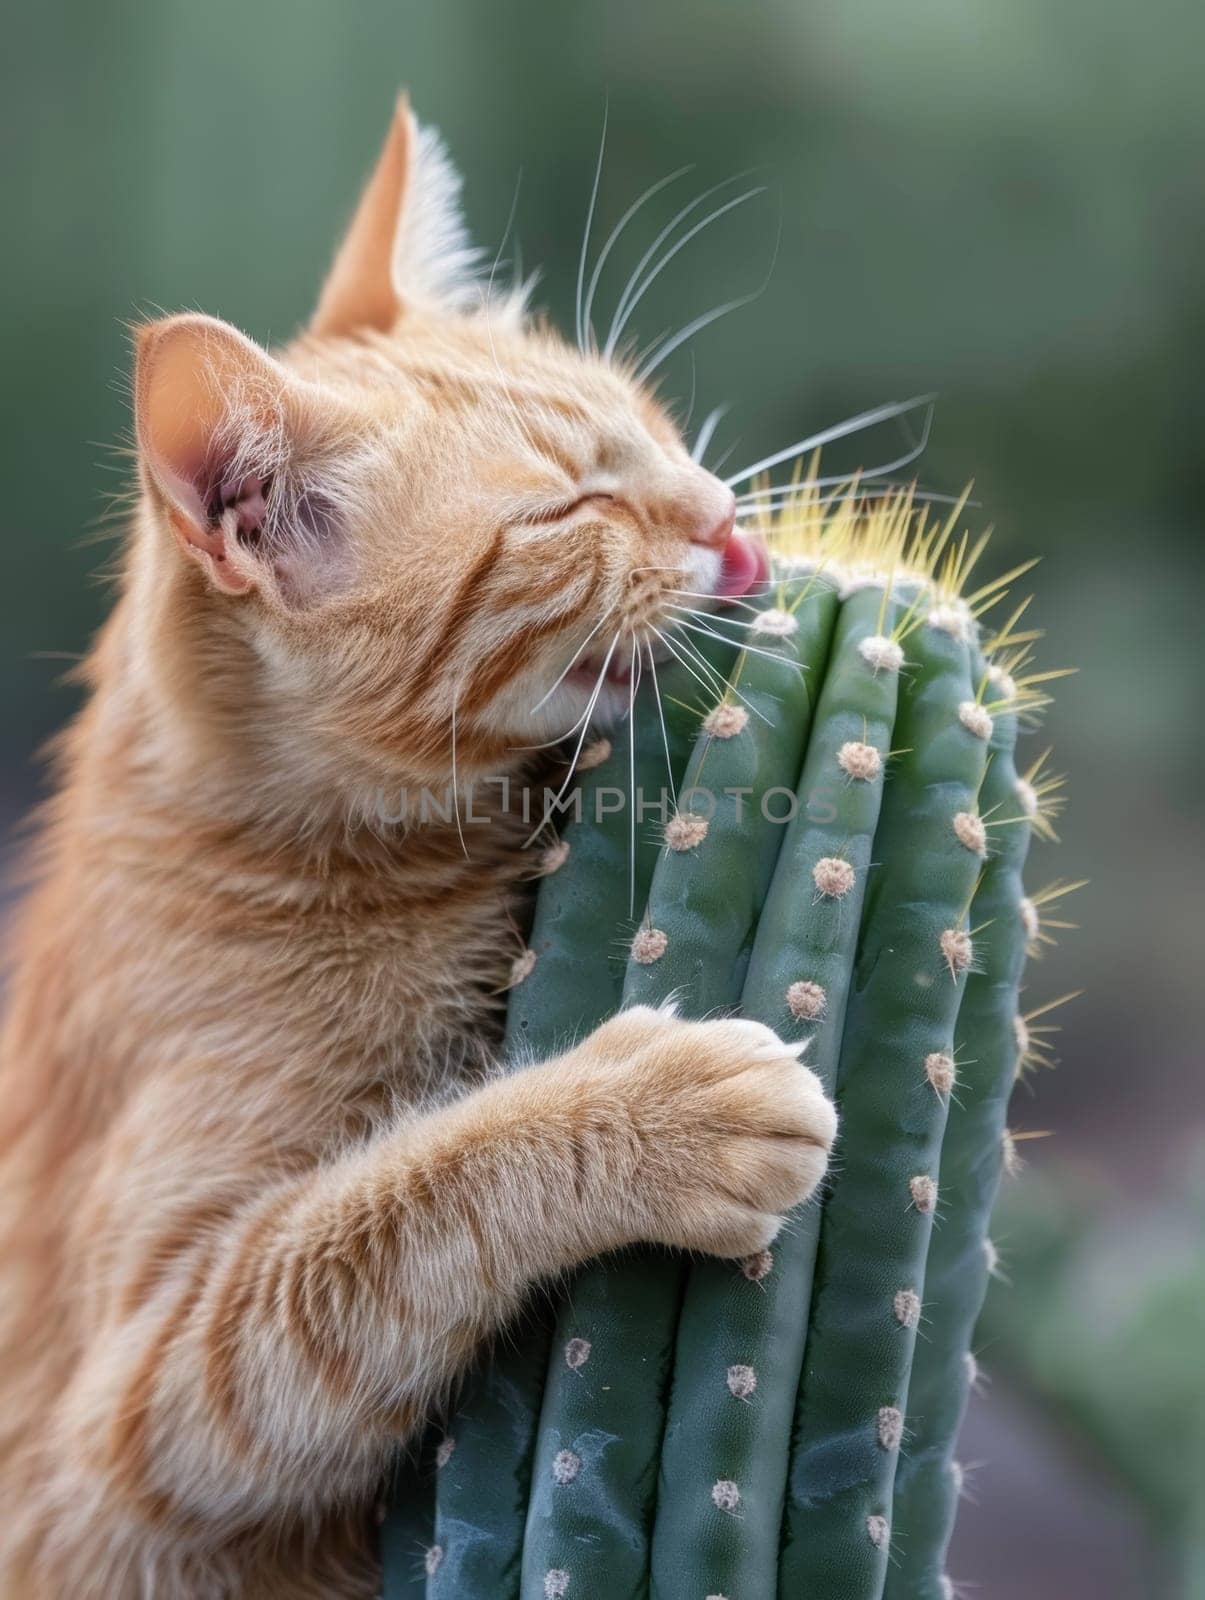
<point>773,1428</point>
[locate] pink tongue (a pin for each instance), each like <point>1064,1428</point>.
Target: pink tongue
<point>745,566</point>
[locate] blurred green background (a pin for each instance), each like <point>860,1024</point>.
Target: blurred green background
<point>1001,202</point>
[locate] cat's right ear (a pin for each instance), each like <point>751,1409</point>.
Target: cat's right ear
<point>204,394</point>
<point>407,244</point>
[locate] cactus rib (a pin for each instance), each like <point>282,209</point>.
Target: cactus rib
<point>704,901</point>
<point>740,1342</point>
<point>912,958</point>
<point>987,1052</point>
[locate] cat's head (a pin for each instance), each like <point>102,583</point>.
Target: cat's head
<point>427,508</point>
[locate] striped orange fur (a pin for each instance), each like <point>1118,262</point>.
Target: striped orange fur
<point>262,1201</point>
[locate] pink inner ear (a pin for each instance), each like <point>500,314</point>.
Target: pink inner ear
<point>248,499</point>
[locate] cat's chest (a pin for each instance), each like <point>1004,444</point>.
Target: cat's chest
<point>410,989</point>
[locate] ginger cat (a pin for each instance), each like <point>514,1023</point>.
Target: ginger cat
<point>246,1249</point>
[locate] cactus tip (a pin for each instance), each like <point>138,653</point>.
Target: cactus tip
<point>940,1071</point>
<point>975,719</point>
<point>757,1267</point>
<point>565,1466</point>
<point>556,1584</point>
<point>443,1452</point>
<point>741,1381</point>
<point>833,877</point>
<point>924,1193</point>
<point>952,619</point>
<point>725,721</point>
<point>685,830</point>
<point>970,832</point>
<point>1027,797</point>
<point>649,945</point>
<point>725,1495</point>
<point>577,1353</point>
<point>890,1427</point>
<point>906,1306</point>
<point>858,760</point>
<point>777,623</point>
<point>958,950</point>
<point>879,1530</point>
<point>806,1000</point>
<point>1031,918</point>
<point>1021,1034</point>
<point>594,755</point>
<point>1010,1155</point>
<point>1002,680</point>
<point>881,654</point>
<point>432,1558</point>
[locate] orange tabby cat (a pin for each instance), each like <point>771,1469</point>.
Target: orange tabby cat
<point>245,1251</point>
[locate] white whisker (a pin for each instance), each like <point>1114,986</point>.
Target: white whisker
<point>712,616</point>
<point>577,749</point>
<point>755,499</point>
<point>684,661</point>
<point>520,423</point>
<point>664,351</point>
<point>613,240</point>
<point>669,765</point>
<point>749,649</point>
<point>707,432</point>
<point>632,783</point>
<point>727,600</point>
<point>691,205</point>
<point>724,685</point>
<point>626,300</point>
<point>841,430</point>
<point>581,265</point>
<point>569,668</point>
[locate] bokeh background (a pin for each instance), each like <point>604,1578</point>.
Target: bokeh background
<point>998,201</point>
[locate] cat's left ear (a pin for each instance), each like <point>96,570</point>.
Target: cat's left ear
<point>407,243</point>
<point>230,441</point>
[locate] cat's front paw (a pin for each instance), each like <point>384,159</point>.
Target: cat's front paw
<point>736,1131</point>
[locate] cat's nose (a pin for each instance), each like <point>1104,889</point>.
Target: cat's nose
<point>714,519</point>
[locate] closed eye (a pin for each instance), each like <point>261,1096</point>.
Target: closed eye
<point>558,512</point>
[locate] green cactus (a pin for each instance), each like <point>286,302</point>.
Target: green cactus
<point>976,1083</point>
<point>914,950</point>
<point>714,1429</point>
<point>604,1421</point>
<point>483,1462</point>
<point>746,1330</point>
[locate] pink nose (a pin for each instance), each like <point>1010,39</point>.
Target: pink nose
<point>712,529</point>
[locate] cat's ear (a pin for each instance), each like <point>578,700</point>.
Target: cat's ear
<point>407,242</point>
<point>218,421</point>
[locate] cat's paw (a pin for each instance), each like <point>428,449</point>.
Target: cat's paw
<point>735,1131</point>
